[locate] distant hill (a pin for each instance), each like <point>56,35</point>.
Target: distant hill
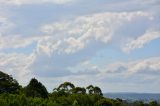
<point>134,96</point>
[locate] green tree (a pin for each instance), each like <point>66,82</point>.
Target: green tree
<point>66,87</point>
<point>105,102</point>
<point>90,89</point>
<point>8,84</point>
<point>79,90</point>
<point>94,90</point>
<point>36,89</point>
<point>139,103</point>
<point>97,90</point>
<point>153,103</point>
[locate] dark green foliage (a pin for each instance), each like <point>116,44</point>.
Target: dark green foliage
<point>139,103</point>
<point>153,103</point>
<point>94,90</point>
<point>36,89</point>
<point>56,99</point>
<point>120,102</point>
<point>97,90</point>
<point>75,103</point>
<point>66,87</point>
<point>105,102</point>
<point>8,84</point>
<point>90,89</point>
<point>79,90</point>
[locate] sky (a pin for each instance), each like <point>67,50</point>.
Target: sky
<point>113,44</point>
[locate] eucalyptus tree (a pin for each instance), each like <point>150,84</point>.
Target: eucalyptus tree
<point>97,90</point>
<point>90,89</point>
<point>94,90</point>
<point>79,90</point>
<point>66,87</point>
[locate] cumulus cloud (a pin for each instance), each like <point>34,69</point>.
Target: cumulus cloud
<point>76,34</point>
<point>141,41</point>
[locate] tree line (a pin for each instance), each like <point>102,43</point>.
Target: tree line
<point>66,94</point>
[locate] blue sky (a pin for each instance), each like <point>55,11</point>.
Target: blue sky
<point>113,44</point>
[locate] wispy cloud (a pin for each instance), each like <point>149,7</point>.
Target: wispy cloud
<point>127,69</point>
<point>141,41</point>
<point>23,2</point>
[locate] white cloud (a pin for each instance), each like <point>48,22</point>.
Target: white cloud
<point>145,67</point>
<point>17,65</point>
<point>141,41</point>
<point>47,46</point>
<point>151,65</point>
<point>14,41</point>
<point>78,33</point>
<point>23,2</point>
<point>142,69</point>
<point>130,68</point>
